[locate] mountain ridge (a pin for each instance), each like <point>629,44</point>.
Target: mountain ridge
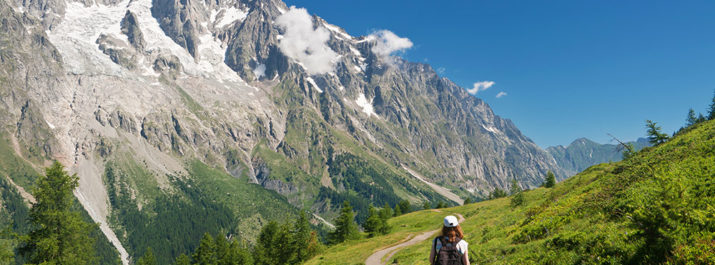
<point>583,153</point>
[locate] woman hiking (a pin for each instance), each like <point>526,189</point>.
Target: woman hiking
<point>450,248</point>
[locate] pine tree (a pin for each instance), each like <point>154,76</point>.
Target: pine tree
<point>441,205</point>
<point>58,235</point>
<point>265,250</point>
<point>301,237</point>
<point>497,193</point>
<point>468,201</point>
<point>550,179</point>
<point>373,223</point>
<point>205,254</point>
<point>655,136</point>
<point>517,198</point>
<point>345,226</point>
<point>237,255</point>
<point>385,214</point>
<point>629,151</point>
<point>221,248</point>
<point>397,211</point>
<point>183,260</point>
<point>405,206</point>
<point>148,258</point>
<point>7,244</point>
<point>711,111</point>
<point>701,118</point>
<point>691,118</point>
<point>427,205</point>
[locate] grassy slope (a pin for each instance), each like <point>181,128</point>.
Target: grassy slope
<point>655,207</point>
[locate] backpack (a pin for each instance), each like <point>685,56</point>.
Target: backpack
<point>448,253</point>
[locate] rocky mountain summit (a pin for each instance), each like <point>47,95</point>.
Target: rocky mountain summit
<point>147,99</point>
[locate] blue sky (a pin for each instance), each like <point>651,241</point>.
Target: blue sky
<point>570,68</point>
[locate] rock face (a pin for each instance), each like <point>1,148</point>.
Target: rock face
<point>131,28</point>
<point>163,82</point>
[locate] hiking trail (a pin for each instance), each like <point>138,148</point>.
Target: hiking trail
<point>387,253</point>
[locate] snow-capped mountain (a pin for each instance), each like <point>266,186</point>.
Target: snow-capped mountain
<point>252,88</point>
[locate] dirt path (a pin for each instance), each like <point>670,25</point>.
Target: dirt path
<point>439,189</point>
<point>387,253</point>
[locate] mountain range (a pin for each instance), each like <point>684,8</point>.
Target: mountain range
<point>220,115</point>
<point>583,153</point>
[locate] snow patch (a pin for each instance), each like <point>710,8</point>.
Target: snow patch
<point>366,105</point>
<point>230,15</point>
<point>312,82</point>
<point>212,57</point>
<point>76,35</point>
<point>211,54</point>
<point>338,30</point>
<point>356,53</point>
<point>50,124</point>
<point>491,129</point>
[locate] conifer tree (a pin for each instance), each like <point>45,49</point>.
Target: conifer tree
<point>701,118</point>
<point>441,205</point>
<point>58,235</point>
<point>284,244</point>
<point>629,151</point>
<point>148,258</point>
<point>183,260</point>
<point>301,238</point>
<point>468,201</point>
<point>237,255</point>
<point>265,250</point>
<point>385,214</point>
<point>345,226</point>
<point>205,254</point>
<point>405,206</point>
<point>397,211</point>
<point>691,118</point>
<point>373,223</point>
<point>711,111</point>
<point>550,179</point>
<point>655,136</point>
<point>427,205</point>
<point>221,248</point>
<point>517,194</point>
<point>497,193</point>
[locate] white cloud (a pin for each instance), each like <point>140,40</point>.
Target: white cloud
<point>387,43</point>
<point>304,43</point>
<point>480,86</point>
<point>501,94</point>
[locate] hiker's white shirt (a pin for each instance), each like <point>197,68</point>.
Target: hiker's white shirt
<point>462,246</point>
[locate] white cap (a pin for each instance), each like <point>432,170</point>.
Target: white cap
<point>450,221</point>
